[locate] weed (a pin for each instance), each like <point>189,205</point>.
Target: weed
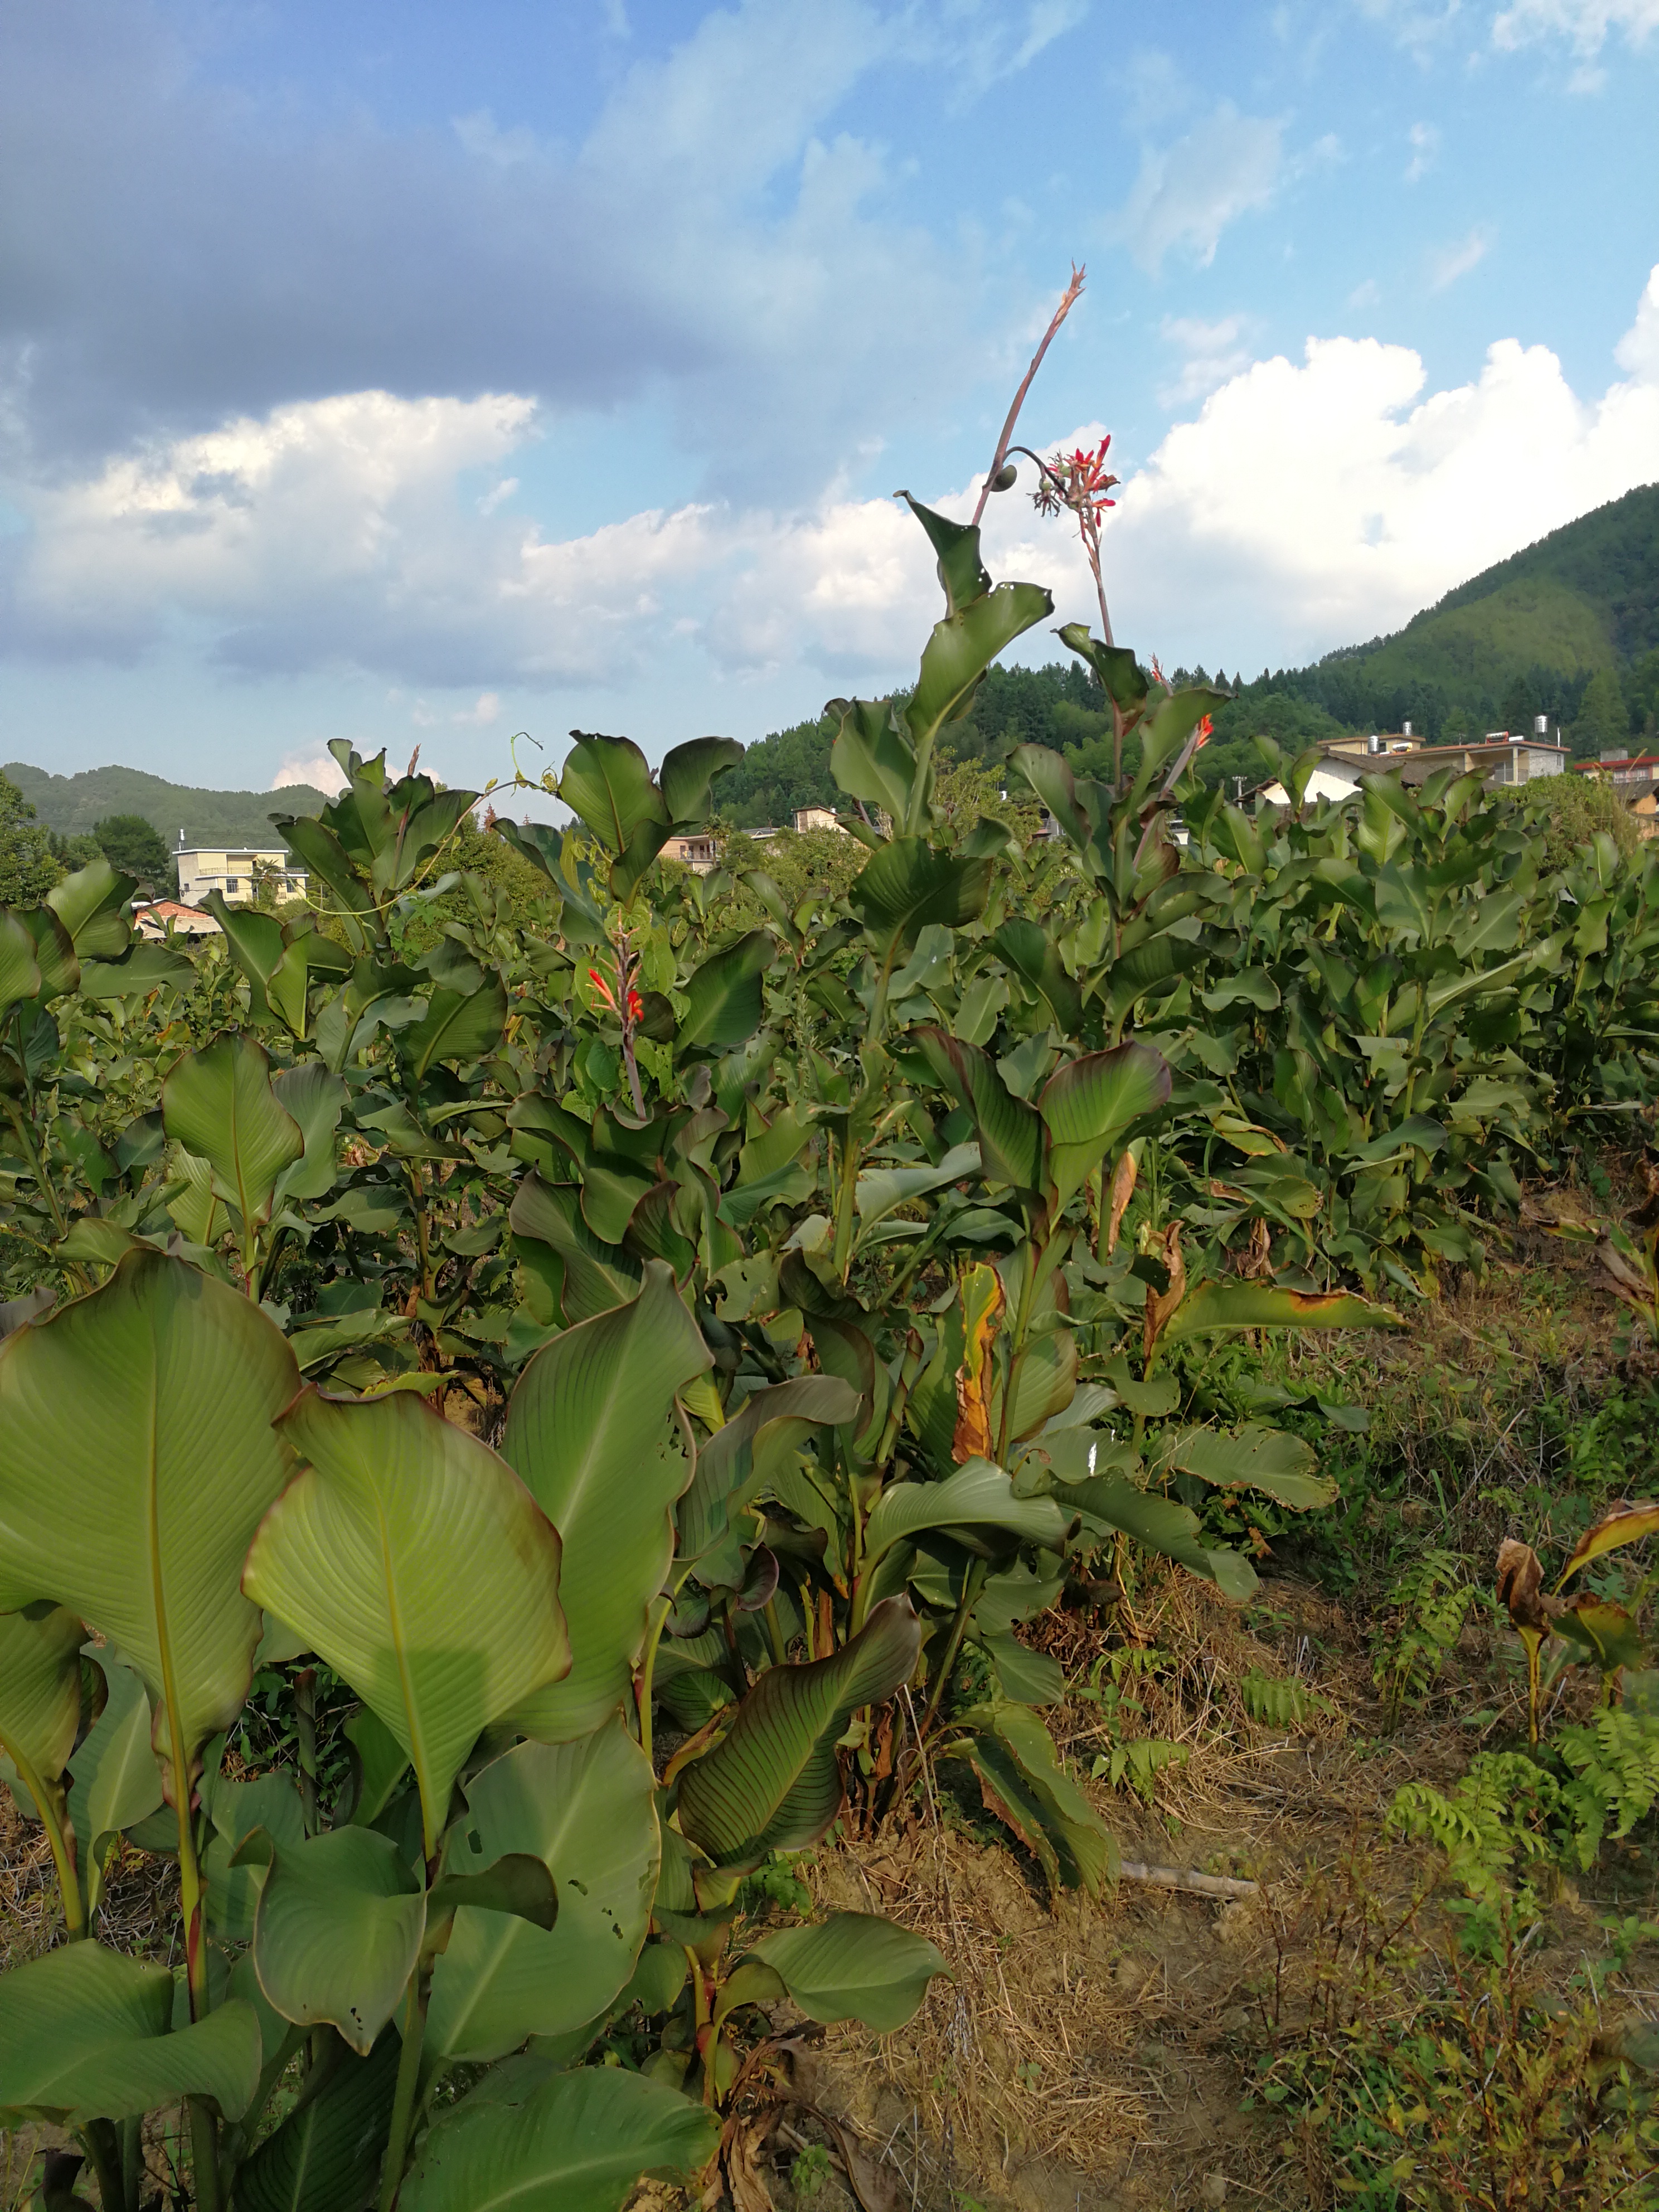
<point>1430,1602</point>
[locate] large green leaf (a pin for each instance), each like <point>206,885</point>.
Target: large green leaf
<point>142,967</point>
<point>219,1103</point>
<point>337,1930</point>
<point>588,1810</point>
<point>1269,1460</point>
<point>20,971</point>
<point>457,1026</point>
<point>591,1430</point>
<point>139,1417</point>
<point>1023,1782</point>
<point>324,2156</point>
<point>54,953</point>
<point>573,2142</point>
<point>688,771</point>
<point>725,997</point>
<point>1215,1306</point>
<point>773,1782</point>
<point>84,2034</point>
<point>89,905</point>
<point>1088,1104</point>
<point>872,758</point>
<point>961,649</point>
<point>40,1699</point>
<point>607,780</point>
<point>1161,1524</point>
<point>316,1100</point>
<point>880,1191</point>
<point>905,885</point>
<point>979,1495</point>
<point>582,1273</point>
<point>114,1780</point>
<point>414,1561</point>
<point>853,1967</point>
<point>1009,1131</point>
<point>1031,951</point>
<point>738,1460</point>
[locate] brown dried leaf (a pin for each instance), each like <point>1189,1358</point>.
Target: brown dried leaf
<point>1123,1189</point>
<point>1161,1305</point>
<point>983,1302</point>
<point>1519,1583</point>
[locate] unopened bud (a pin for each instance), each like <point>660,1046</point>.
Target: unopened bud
<point>1005,478</point>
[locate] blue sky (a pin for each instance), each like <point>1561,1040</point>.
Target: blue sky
<point>417,373</point>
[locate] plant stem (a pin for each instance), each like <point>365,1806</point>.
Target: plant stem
<point>204,2153</point>
<point>846,1200</point>
<point>305,1728</point>
<point>103,2154</point>
<point>62,1840</point>
<point>974,1584</point>
<point>659,1613</point>
<point>402,2101</point>
<point>1068,299</point>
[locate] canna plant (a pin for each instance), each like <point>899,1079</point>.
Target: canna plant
<point>490,1885</point>
<point>661,1362</point>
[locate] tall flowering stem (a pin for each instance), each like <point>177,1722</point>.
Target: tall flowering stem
<point>1069,298</point>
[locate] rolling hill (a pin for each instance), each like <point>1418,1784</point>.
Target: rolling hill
<point>71,805</point>
<point>1528,636</point>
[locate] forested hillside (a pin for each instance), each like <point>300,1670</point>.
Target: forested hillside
<point>1569,628</point>
<point>72,805</point>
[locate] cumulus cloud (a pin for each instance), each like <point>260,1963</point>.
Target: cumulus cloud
<point>319,769</point>
<point>1308,504</point>
<point>1188,193</point>
<point>1316,503</point>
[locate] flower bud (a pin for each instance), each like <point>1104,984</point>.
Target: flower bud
<point>1005,478</point>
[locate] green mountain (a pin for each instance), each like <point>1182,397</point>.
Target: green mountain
<point>71,805</point>
<point>1568,625</point>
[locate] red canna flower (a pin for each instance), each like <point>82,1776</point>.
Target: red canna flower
<point>636,1007</point>
<point>602,989</point>
<point>1204,730</point>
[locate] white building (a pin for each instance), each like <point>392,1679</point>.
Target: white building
<point>237,871</point>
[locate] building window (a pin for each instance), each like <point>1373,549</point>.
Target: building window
<point>231,883</point>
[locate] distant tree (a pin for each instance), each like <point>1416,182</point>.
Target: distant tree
<point>1604,718</point>
<point>28,869</point>
<point>74,852</point>
<point>1641,694</point>
<point>1567,810</point>
<point>135,847</point>
<point>1520,705</point>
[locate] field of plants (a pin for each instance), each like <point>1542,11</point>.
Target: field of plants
<point>590,1454</point>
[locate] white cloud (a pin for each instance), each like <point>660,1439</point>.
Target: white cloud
<point>1215,351</point>
<point>1308,505</point>
<point>1187,196</point>
<point>1585,24</point>
<point>1312,505</point>
<point>1425,148</point>
<point>1448,263</point>
<point>319,769</point>
<point>486,710</point>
